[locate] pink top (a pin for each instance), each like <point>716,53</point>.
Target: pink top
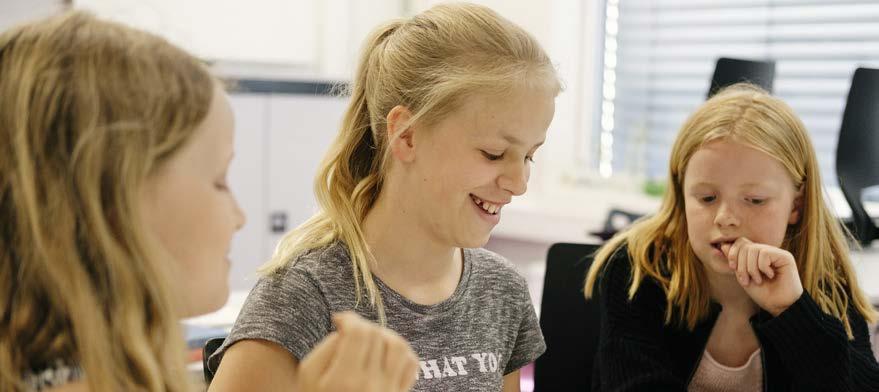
<point>711,376</point>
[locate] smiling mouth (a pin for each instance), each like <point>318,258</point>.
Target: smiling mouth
<point>489,208</point>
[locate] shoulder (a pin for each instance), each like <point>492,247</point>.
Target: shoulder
<point>617,269</point>
<point>617,276</point>
<point>329,264</point>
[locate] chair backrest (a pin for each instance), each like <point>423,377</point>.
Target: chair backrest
<point>209,347</point>
<point>857,151</point>
<point>729,71</point>
<point>570,324</point>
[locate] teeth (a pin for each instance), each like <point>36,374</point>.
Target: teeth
<point>488,207</point>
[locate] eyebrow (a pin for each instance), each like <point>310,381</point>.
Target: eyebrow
<point>514,140</point>
<point>746,185</point>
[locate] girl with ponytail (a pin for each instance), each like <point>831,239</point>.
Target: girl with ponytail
<point>447,109</point>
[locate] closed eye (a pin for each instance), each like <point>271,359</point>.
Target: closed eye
<point>708,199</point>
<point>491,157</point>
<point>756,201</point>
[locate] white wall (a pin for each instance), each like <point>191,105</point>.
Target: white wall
<point>13,12</point>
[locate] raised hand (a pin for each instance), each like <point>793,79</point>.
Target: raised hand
<point>768,274</point>
<point>359,356</point>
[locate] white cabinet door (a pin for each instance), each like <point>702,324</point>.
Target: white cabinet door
<point>247,180</point>
<point>301,128</point>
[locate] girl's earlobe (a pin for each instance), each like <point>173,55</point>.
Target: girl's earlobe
<point>400,134</point>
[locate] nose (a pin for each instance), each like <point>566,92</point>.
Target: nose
<point>726,215</point>
<point>514,178</point>
<point>240,217</point>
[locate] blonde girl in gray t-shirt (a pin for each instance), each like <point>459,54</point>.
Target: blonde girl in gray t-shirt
<point>447,109</point>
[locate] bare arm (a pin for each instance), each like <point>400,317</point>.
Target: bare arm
<point>256,365</point>
<point>511,382</point>
<point>361,356</point>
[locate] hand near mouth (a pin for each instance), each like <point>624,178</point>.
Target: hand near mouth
<point>768,274</point>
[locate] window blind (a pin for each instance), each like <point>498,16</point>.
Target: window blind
<point>659,56</point>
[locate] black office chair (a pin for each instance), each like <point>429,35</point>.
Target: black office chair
<point>857,151</point>
<point>209,348</point>
<point>570,324</point>
<point>729,71</point>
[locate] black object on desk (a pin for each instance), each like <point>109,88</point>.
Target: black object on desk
<point>617,220</point>
<point>570,324</point>
<point>857,151</point>
<point>728,72</point>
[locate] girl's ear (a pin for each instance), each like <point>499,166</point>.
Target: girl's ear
<point>400,135</point>
<point>797,209</point>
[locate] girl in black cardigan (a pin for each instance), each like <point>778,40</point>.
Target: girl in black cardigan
<point>742,280</point>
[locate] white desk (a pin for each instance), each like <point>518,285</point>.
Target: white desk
<point>225,317</point>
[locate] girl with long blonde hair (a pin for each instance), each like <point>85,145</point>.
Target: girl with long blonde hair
<point>116,214</point>
<point>447,109</point>
<point>742,280</point>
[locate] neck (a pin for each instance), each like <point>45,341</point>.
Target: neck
<point>403,247</point>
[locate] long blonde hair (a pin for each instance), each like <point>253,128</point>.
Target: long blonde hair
<point>89,110</point>
<point>428,63</point>
<point>658,245</point>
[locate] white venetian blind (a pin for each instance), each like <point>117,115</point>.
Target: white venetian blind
<point>660,54</point>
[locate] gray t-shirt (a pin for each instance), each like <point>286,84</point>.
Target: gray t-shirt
<point>468,342</point>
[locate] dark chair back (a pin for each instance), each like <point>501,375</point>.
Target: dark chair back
<point>570,324</point>
<point>729,71</point>
<point>209,347</point>
<point>857,151</point>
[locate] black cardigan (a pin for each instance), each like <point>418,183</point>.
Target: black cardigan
<point>803,349</point>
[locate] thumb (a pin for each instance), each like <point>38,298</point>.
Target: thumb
<point>318,360</point>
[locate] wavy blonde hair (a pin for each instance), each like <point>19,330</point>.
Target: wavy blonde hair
<point>428,63</point>
<point>89,110</point>
<point>658,245</point>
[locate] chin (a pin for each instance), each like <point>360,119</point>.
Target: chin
<point>473,241</point>
<point>720,267</point>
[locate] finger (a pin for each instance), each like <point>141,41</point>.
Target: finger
<point>318,360</point>
<point>354,342</point>
<point>753,269</point>
<point>737,250</point>
<point>725,249</point>
<point>742,270</point>
<point>345,320</point>
<point>732,254</point>
<point>376,355</point>
<point>400,362</point>
<point>395,351</point>
<point>408,374</point>
<point>765,264</point>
